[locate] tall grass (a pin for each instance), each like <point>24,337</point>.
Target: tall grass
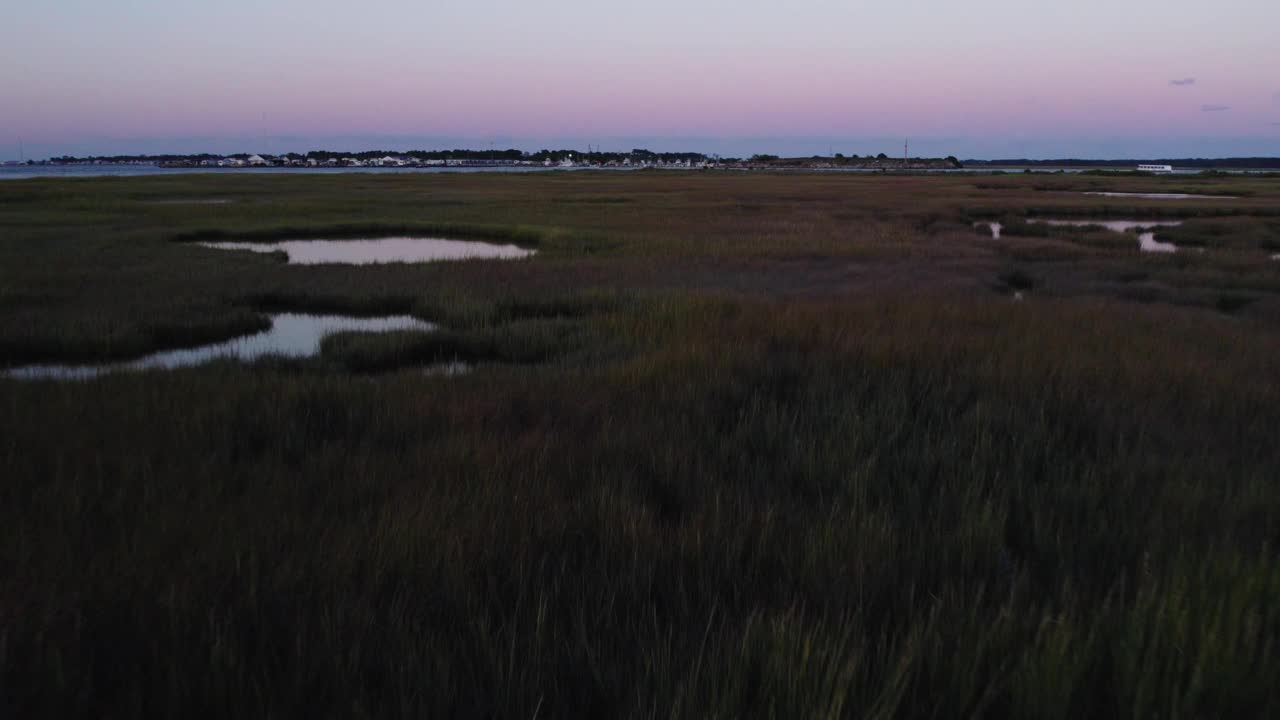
<point>898,510</point>
<point>764,472</point>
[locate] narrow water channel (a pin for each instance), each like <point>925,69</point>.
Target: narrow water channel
<point>290,335</point>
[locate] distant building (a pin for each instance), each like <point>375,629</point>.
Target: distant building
<point>257,160</point>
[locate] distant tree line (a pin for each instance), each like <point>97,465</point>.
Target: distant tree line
<point>842,160</point>
<point>510,154</point>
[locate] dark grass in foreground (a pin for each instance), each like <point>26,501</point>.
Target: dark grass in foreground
<point>892,509</point>
<point>811,461</point>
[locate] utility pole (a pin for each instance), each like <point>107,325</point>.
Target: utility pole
<point>906,147</point>
<point>21,154</point>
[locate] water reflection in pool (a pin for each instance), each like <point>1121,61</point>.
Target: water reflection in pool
<point>1113,225</point>
<point>1146,241</point>
<point>188,201</point>
<point>380,250</point>
<point>290,335</point>
<point>1163,196</point>
<point>994,227</point>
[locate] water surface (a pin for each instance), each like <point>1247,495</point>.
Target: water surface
<point>22,172</point>
<point>1163,196</point>
<point>25,172</point>
<point>380,250</point>
<point>189,201</point>
<point>291,335</point>
<point>1146,241</point>
<point>1113,225</point>
<point>448,369</point>
<point>995,228</point>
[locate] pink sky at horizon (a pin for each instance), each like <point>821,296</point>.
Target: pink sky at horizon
<point>76,69</point>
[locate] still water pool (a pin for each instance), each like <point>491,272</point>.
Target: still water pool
<point>380,250</point>
<point>1146,241</point>
<point>290,335</point>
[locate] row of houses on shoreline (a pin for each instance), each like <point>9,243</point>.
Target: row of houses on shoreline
<point>408,161</point>
<point>635,159</point>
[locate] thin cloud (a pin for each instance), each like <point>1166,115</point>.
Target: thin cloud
<point>1184,82</point>
<point>1214,108</point>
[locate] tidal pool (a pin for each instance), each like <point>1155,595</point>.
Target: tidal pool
<point>448,369</point>
<point>1146,241</point>
<point>291,335</point>
<point>995,228</point>
<point>1113,225</point>
<point>189,201</point>
<point>1164,196</point>
<point>380,250</point>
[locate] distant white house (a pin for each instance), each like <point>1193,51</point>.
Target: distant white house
<point>257,160</point>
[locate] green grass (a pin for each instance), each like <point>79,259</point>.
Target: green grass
<point>807,460</point>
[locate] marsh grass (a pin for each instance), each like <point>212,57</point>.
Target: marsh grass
<point>804,508</point>
<point>520,342</point>
<point>1243,232</point>
<point>1018,279</point>
<point>797,462</point>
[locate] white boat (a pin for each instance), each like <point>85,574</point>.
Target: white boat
<point>1155,168</point>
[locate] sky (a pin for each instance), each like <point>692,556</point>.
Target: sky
<point>983,78</point>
